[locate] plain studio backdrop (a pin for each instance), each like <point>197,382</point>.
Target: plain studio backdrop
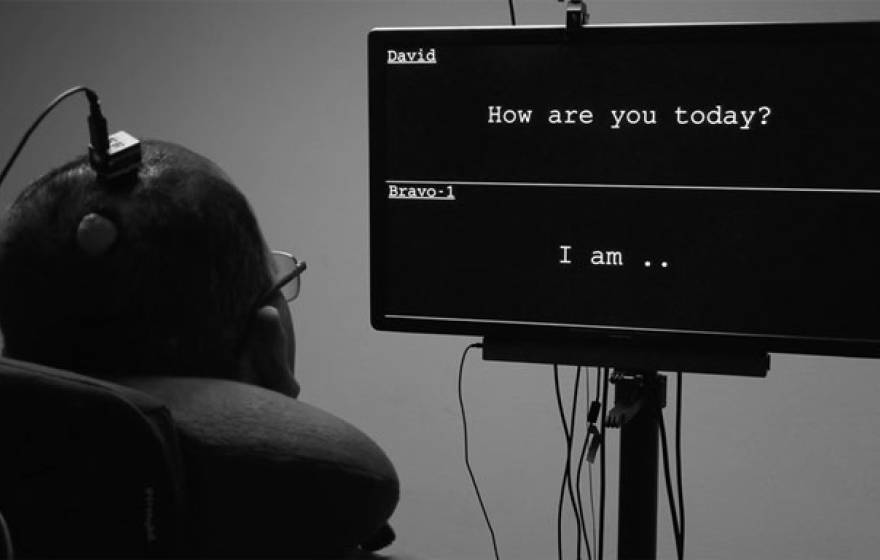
<point>276,93</point>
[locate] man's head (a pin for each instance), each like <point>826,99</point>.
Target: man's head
<point>156,276</point>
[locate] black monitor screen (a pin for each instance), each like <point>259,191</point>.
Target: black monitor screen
<point>678,183</point>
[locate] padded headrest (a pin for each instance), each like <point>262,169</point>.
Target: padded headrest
<point>93,468</point>
<point>268,475</point>
<point>89,468</point>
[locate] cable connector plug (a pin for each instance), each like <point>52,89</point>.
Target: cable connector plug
<point>124,154</point>
<point>595,443</point>
<point>112,156</point>
<point>99,143</point>
<point>593,414</point>
<point>121,159</point>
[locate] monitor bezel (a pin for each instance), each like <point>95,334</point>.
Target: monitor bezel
<point>380,39</point>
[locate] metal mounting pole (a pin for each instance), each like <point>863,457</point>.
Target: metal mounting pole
<point>637,397</point>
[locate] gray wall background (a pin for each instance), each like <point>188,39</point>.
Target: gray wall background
<point>275,92</point>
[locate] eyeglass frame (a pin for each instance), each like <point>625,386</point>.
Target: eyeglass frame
<point>298,268</point>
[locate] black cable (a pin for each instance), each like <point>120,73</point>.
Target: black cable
<point>602,466</point>
<point>661,425</point>
<point>512,14</point>
<point>580,501</point>
<point>8,551</point>
<point>592,505</point>
<point>580,469</point>
<point>467,461</point>
<point>561,486</point>
<point>678,461</point>
<point>567,476</point>
<point>94,106</point>
<point>566,473</point>
<point>575,504</point>
<point>590,467</point>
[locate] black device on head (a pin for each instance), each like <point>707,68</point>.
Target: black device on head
<point>121,159</point>
<point>114,157</point>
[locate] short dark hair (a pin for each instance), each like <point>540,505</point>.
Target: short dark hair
<point>172,295</point>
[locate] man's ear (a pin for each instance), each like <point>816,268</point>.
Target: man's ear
<point>264,359</point>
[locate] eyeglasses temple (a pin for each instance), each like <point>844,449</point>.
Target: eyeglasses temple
<point>297,270</point>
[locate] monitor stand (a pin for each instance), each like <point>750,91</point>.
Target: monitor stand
<point>640,393</point>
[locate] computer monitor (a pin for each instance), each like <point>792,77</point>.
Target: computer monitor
<point>686,185</point>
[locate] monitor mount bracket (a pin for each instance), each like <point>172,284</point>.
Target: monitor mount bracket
<point>576,15</point>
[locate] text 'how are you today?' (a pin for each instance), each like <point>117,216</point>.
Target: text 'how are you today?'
<point>622,118</point>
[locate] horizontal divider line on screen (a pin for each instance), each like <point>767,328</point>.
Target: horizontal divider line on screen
<point>612,186</point>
